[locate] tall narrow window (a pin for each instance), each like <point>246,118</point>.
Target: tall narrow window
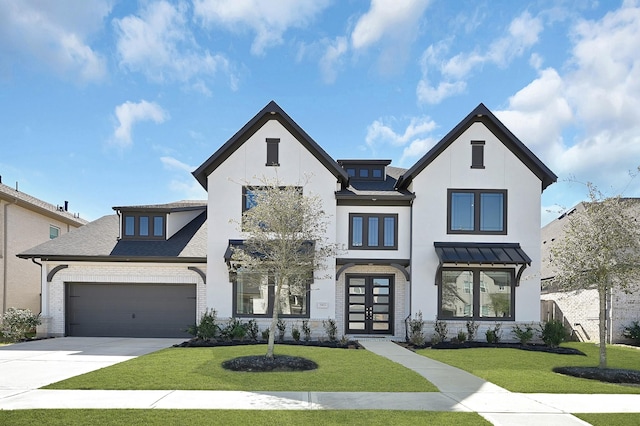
<point>356,231</point>
<point>129,226</point>
<point>158,226</point>
<point>477,154</point>
<point>389,231</point>
<point>272,152</point>
<point>144,226</point>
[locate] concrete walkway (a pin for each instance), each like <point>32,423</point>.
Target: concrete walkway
<point>459,390</point>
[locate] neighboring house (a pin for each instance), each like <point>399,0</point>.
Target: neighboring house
<point>579,309</point>
<point>26,221</point>
<point>450,237</point>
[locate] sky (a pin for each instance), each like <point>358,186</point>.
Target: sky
<point>109,103</point>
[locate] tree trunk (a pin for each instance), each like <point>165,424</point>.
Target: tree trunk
<point>602,325</point>
<point>274,319</point>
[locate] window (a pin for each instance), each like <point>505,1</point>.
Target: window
<point>477,154</point>
<point>54,232</point>
<point>250,195</point>
<point>272,152</point>
<point>477,212</point>
<point>254,295</point>
<point>475,293</point>
<point>373,231</point>
<point>143,226</point>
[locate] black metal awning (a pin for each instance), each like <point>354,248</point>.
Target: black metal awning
<point>240,245</point>
<point>482,253</point>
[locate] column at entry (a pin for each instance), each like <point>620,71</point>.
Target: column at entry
<point>369,304</point>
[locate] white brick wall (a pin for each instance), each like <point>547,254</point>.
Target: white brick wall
<point>114,273</point>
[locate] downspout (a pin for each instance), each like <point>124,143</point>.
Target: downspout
<point>409,290</point>
<point>42,289</point>
<point>5,260</point>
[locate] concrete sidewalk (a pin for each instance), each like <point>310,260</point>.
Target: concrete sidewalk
<point>459,391</point>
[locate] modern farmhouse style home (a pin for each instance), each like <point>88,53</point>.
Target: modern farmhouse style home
<point>455,237</point>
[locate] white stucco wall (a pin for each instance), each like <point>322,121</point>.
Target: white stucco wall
<point>452,170</point>
<point>246,166</point>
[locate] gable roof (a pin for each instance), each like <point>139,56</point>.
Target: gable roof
<point>32,203</point>
<point>98,241</point>
<point>481,114</point>
<point>270,112</point>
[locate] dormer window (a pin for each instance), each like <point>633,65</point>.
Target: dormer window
<point>143,226</point>
<point>477,154</point>
<point>360,170</point>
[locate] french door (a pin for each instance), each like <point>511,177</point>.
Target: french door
<point>369,304</point>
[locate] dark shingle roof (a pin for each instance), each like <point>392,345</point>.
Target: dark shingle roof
<point>33,203</point>
<point>98,240</point>
<point>378,189</point>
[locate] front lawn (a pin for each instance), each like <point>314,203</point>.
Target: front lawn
<point>242,418</point>
<point>531,372</point>
<point>340,370</point>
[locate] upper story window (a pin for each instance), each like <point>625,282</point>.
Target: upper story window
<point>142,226</point>
<point>477,154</point>
<point>373,231</point>
<point>273,152</point>
<point>250,196</point>
<point>365,169</point>
<point>477,211</point>
<point>54,232</point>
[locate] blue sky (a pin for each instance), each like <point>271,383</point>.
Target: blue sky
<point>110,103</point>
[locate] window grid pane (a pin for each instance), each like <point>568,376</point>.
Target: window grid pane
<point>373,232</point>
<point>158,226</point>
<point>462,217</point>
<point>144,226</point>
<point>389,232</point>
<point>129,225</point>
<point>356,226</point>
<point>491,212</point>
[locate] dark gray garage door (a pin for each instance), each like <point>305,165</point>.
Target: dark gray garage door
<point>129,310</point>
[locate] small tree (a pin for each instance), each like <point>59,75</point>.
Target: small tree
<point>16,323</point>
<point>285,238</point>
<point>600,249</point>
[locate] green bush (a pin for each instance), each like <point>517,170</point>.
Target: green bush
<point>472,330</point>
<point>282,329</point>
<point>553,333</point>
<point>494,334</point>
<point>440,328</point>
<point>306,330</point>
<point>16,323</point>
<point>207,328</point>
<point>295,332</point>
<point>461,337</point>
<point>252,329</point>
<point>632,331</point>
<point>234,330</point>
<point>416,335</point>
<point>331,328</point>
<point>523,333</point>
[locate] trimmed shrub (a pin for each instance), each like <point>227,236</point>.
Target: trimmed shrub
<point>553,333</point>
<point>16,323</point>
<point>331,329</point>
<point>295,332</point>
<point>440,328</point>
<point>472,330</point>
<point>494,334</point>
<point>282,329</point>
<point>632,331</point>
<point>461,337</point>
<point>523,333</point>
<point>306,330</point>
<point>416,335</point>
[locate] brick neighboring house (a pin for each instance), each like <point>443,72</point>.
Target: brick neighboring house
<point>579,308</point>
<point>26,221</point>
<point>450,237</point>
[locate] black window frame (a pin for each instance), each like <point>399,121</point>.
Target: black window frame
<point>477,195</point>
<point>477,154</point>
<point>51,229</point>
<point>152,233</point>
<point>476,270</point>
<point>270,300</point>
<point>273,152</point>
<point>365,231</point>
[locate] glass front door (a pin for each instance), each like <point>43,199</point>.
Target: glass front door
<point>369,304</point>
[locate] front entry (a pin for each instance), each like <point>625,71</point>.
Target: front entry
<point>369,304</point>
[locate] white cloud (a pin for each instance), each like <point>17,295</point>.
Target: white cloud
<point>585,123</point>
<point>380,133</point>
<point>268,20</point>
<point>55,35</point>
<point>159,44</point>
<point>332,58</point>
<point>130,113</point>
<point>522,34</point>
<point>183,183</point>
<point>171,163</point>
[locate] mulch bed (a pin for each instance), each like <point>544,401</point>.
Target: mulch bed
<point>610,375</point>
<point>468,345</point>
<point>211,343</point>
<point>260,363</point>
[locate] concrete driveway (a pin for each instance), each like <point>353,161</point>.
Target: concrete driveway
<point>31,365</point>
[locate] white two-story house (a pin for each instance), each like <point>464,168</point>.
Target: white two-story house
<point>455,237</point>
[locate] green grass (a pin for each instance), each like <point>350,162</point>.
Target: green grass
<point>340,370</point>
<point>233,417</point>
<point>531,372</point>
<point>608,419</point>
